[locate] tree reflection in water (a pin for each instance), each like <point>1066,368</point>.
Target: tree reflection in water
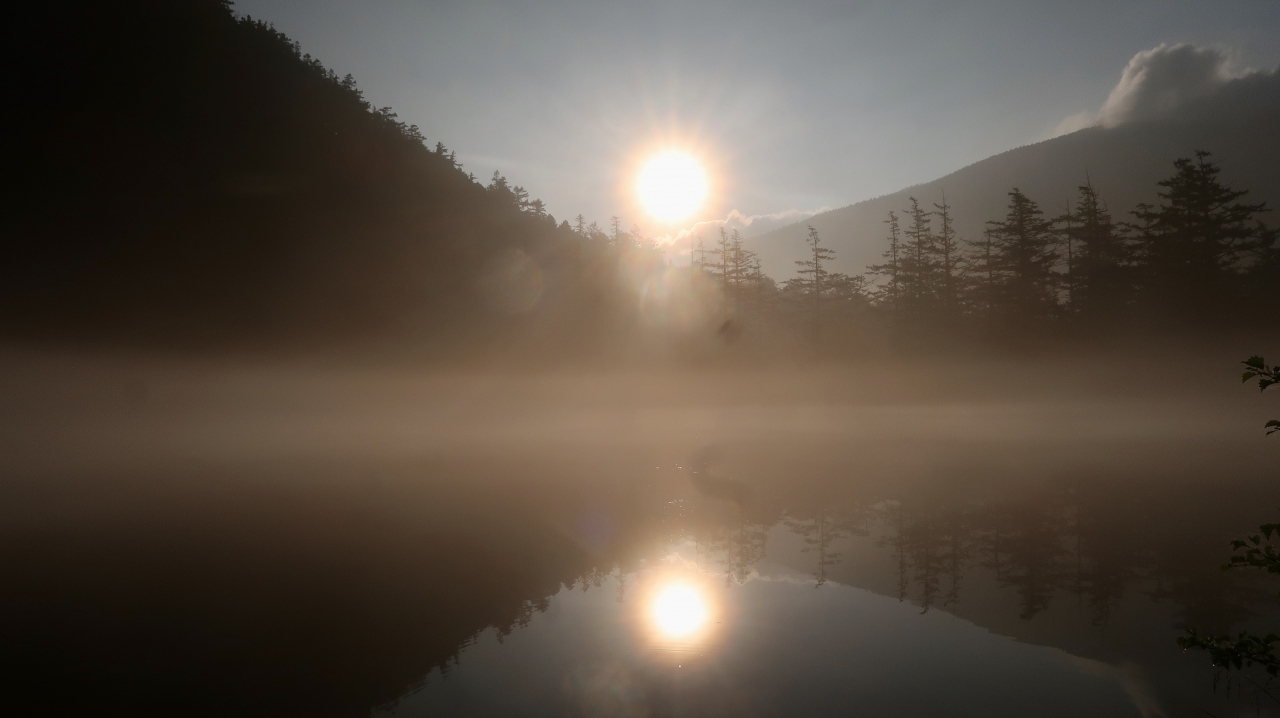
<point>319,592</point>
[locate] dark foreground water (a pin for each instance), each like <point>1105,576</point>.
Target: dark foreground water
<point>240,546</point>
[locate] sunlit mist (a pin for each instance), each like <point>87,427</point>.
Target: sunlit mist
<point>679,610</point>
<point>672,186</point>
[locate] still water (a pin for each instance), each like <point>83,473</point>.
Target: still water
<point>227,546</point>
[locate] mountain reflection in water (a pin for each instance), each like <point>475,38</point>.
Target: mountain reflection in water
<point>664,574</point>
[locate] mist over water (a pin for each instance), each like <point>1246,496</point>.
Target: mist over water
<point>258,537</point>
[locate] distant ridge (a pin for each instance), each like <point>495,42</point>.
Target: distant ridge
<point>1240,125</point>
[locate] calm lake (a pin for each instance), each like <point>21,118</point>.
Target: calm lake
<point>224,541</point>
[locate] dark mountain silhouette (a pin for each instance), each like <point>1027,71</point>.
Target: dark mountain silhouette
<point>179,173</point>
<point>1237,124</point>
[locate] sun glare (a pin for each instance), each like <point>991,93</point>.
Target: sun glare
<point>679,610</point>
<point>672,186</point>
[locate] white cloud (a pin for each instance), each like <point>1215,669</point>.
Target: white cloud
<point>1157,83</point>
<point>750,225</point>
<point>683,241</point>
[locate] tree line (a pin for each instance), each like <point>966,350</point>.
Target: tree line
<point>1199,254</point>
<point>1198,251</point>
<point>190,176</point>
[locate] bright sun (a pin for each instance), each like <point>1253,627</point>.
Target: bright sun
<point>679,610</point>
<point>672,186</point>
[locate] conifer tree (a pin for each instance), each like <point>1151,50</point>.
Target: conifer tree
<point>1024,251</point>
<point>521,197</point>
<point>763,288</point>
<point>741,264</point>
<point>1068,242</point>
<point>500,187</point>
<point>724,250</point>
<point>1098,258</point>
<point>949,261</point>
<point>698,257</point>
<point>917,272</point>
<point>889,292</point>
<point>1200,235</point>
<point>812,279</point>
<point>986,273</point>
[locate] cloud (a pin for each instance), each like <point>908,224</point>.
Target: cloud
<point>749,225</point>
<point>682,242</point>
<point>1157,83</point>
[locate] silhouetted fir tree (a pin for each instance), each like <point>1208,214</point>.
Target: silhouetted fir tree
<point>986,274</point>
<point>724,251</point>
<point>698,256</point>
<point>1068,242</point>
<point>522,197</point>
<point>812,280</point>
<point>499,187</point>
<point>1200,236</point>
<point>1099,259</point>
<point>917,272</point>
<point>1025,254</point>
<point>763,289</point>
<point>949,260</point>
<point>616,223</point>
<point>890,291</point>
<point>742,271</point>
<point>441,150</point>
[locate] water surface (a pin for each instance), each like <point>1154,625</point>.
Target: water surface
<point>216,543</point>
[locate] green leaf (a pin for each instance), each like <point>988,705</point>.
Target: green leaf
<point>1247,376</point>
<point>1256,362</point>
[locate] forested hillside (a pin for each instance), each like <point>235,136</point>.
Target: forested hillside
<point>1237,124</point>
<point>184,176</point>
<point>180,174</point>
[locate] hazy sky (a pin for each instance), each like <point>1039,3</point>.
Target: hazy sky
<point>794,105</point>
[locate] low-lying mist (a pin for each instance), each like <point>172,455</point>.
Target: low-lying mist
<point>322,534</point>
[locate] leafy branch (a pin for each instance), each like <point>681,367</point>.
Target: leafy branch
<point>1257,554</point>
<point>1255,551</point>
<point>1256,366</point>
<point>1246,650</point>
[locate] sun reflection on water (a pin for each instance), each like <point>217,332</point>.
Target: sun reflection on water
<point>679,610</point>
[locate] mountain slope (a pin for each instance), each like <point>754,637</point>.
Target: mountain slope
<point>185,174</point>
<point>1238,125</point>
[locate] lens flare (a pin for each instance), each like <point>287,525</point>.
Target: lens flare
<point>679,610</point>
<point>672,186</point>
